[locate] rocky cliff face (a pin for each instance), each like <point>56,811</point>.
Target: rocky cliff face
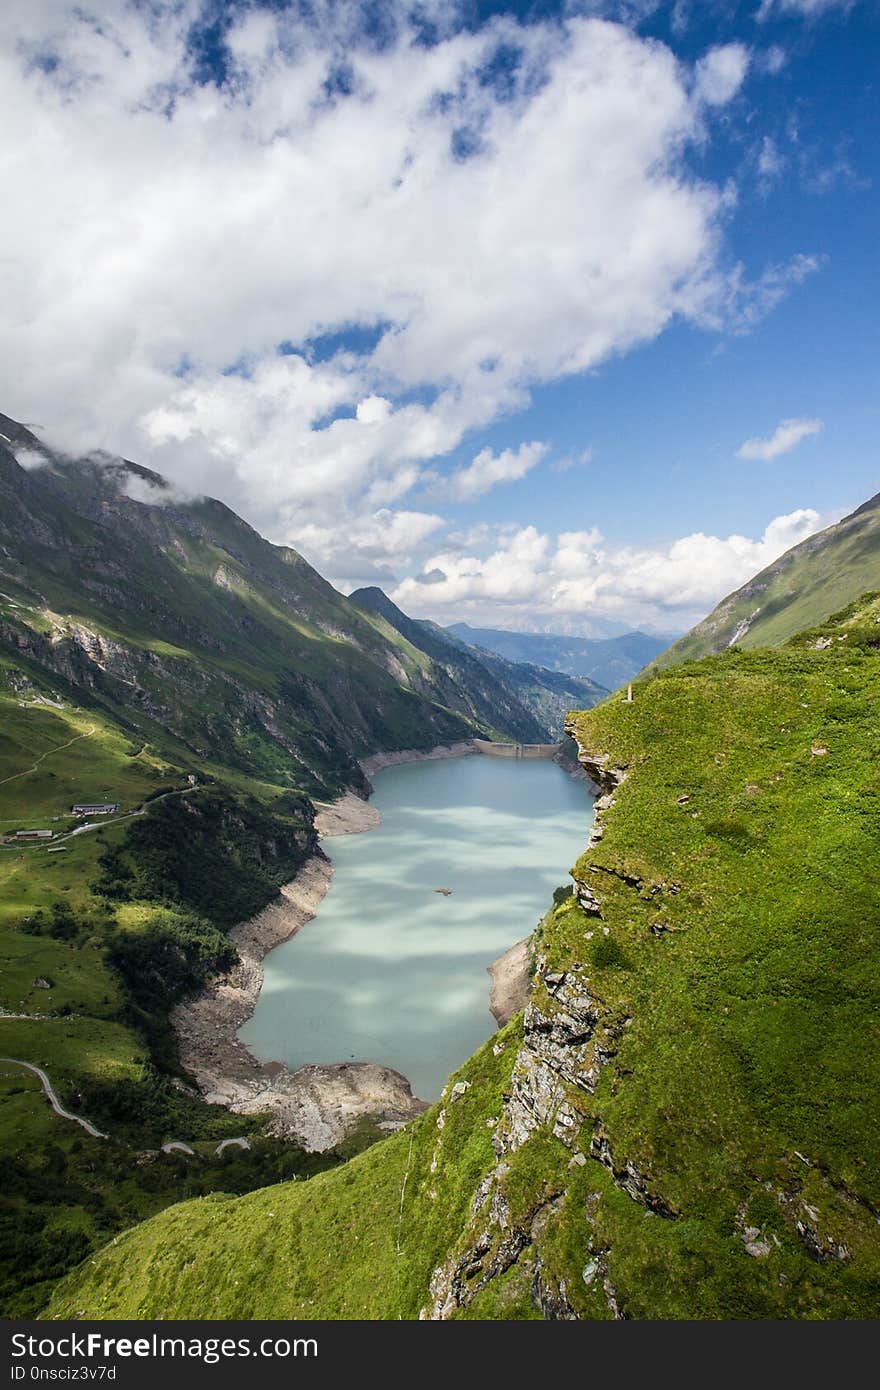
<point>569,1035</point>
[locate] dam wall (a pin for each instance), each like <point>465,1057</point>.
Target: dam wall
<point>516,750</point>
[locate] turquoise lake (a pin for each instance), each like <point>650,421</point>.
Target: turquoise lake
<point>392,971</point>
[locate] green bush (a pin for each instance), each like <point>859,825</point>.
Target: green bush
<point>607,954</point>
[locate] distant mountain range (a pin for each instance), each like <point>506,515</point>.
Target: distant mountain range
<point>548,694</point>
<point>610,661</point>
<point>814,579</point>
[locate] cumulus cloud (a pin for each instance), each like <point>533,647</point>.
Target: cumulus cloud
<point>170,235</point>
<point>532,579</point>
<point>370,549</point>
<point>787,435</point>
<point>488,469</point>
<point>302,287</point>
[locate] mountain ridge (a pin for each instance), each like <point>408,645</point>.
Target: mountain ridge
<point>128,595</point>
<point>548,695</point>
<point>803,587</point>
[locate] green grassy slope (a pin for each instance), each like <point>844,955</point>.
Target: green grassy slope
<point>803,587</point>
<point>346,1249</point>
<point>146,640</point>
<point>685,1122</point>
<point>99,933</point>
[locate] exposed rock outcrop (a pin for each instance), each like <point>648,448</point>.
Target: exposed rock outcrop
<point>569,1036</point>
<point>511,982</point>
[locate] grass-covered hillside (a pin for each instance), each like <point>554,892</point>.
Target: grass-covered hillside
<point>158,655</point>
<point>101,931</point>
<point>803,587</point>
<point>685,1121</point>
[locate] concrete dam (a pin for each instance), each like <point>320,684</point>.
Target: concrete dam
<point>517,750</point>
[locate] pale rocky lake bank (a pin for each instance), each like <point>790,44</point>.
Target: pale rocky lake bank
<point>314,1100</point>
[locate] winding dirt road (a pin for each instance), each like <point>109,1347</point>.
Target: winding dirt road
<point>53,1098</point>
<point>47,754</point>
<point>173,1146</point>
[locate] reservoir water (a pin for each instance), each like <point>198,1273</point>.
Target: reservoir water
<point>392,971</point>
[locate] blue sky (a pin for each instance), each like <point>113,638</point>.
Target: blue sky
<point>669,417</point>
<point>477,302</point>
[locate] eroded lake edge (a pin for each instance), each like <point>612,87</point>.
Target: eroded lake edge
<point>316,1105</point>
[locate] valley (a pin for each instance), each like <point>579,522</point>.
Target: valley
<point>645,1140</point>
<point>439,685</point>
<point>214,709</point>
<point>216,691</point>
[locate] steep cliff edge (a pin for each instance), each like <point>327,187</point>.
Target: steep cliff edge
<point>684,1121</point>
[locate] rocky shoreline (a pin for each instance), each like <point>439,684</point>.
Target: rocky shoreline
<point>375,764</point>
<point>317,1105</point>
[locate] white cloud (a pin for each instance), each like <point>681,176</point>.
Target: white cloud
<point>809,9</point>
<point>745,303</point>
<point>770,162</point>
<point>370,549</point>
<point>30,459</point>
<point>721,72</point>
<point>488,469</point>
<point>373,410</point>
<point>822,176</point>
<point>153,494</point>
<point>787,435</point>
<point>579,459</point>
<point>773,59</point>
<point>531,579</point>
<point>168,237</point>
<point>164,232</point>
